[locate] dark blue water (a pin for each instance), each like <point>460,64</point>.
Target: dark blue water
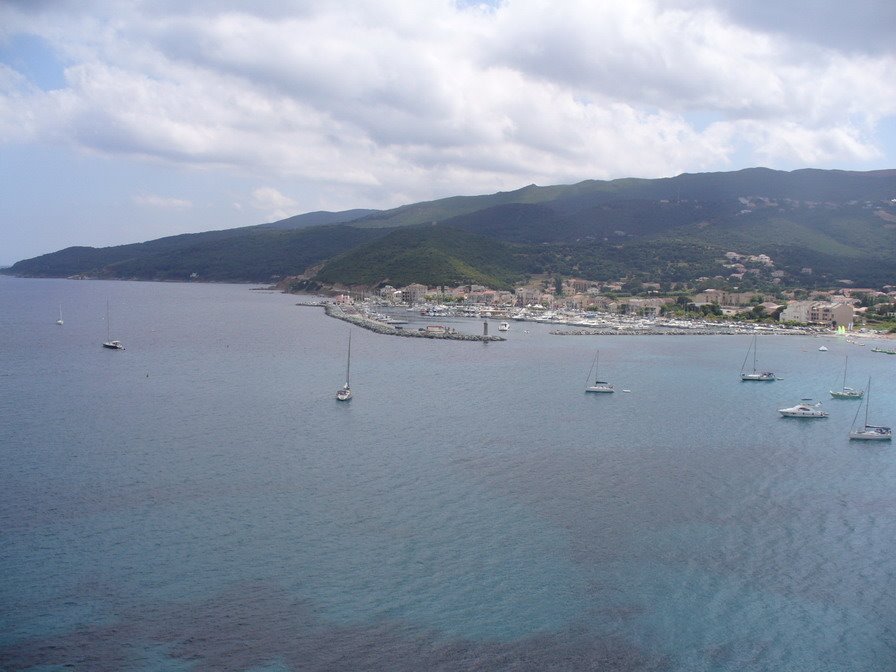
<point>201,502</point>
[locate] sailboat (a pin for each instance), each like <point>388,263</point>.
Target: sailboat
<point>599,385</point>
<point>755,374</point>
<point>59,321</point>
<point>847,392</point>
<point>110,343</point>
<point>345,392</point>
<point>869,432</point>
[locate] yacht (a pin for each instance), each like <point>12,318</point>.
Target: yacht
<point>803,410</point>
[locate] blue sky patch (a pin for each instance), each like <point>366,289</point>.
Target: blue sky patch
<point>33,57</point>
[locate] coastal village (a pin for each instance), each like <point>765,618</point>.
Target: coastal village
<point>624,306</point>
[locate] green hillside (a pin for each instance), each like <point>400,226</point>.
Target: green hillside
<point>819,227</point>
<point>431,255</point>
<point>238,255</point>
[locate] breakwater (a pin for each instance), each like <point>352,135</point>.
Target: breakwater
<point>360,320</point>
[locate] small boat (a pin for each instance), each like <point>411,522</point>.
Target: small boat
<point>110,343</point>
<point>59,321</point>
<point>755,374</point>
<point>345,392</point>
<point>869,432</point>
<point>847,392</point>
<point>823,348</point>
<point>504,326</point>
<point>599,385</point>
<point>803,410</point>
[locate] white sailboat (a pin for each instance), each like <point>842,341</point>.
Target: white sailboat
<point>59,321</point>
<point>599,385</point>
<point>869,432</point>
<point>847,392</point>
<point>755,374</point>
<point>345,392</point>
<point>110,342</point>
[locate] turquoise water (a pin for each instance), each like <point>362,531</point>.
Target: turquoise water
<point>200,501</point>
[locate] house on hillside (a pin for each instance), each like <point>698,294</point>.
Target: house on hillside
<point>413,293</point>
<point>819,312</point>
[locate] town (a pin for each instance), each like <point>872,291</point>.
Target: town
<point>715,305</point>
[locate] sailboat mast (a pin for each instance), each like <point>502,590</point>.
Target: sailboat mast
<point>348,365</point>
<point>868,401</point>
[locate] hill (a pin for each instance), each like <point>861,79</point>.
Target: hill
<point>819,227</point>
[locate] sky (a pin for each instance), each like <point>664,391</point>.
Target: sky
<point>128,120</point>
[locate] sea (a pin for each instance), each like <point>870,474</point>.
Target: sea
<point>201,502</point>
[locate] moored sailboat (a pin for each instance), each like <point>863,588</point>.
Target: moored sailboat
<point>847,392</point>
<point>345,392</point>
<point>869,432</point>
<point>599,385</point>
<point>755,374</point>
<point>110,343</point>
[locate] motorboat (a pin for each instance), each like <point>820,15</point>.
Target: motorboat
<point>803,410</point>
<point>504,326</point>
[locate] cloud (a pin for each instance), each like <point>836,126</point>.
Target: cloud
<point>276,205</point>
<point>166,202</point>
<point>359,102</point>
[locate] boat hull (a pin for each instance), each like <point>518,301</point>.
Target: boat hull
<point>847,394</point>
<point>758,377</point>
<point>872,433</point>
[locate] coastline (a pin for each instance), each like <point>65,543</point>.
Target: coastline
<point>619,328</point>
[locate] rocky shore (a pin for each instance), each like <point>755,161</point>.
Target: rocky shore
<point>360,320</point>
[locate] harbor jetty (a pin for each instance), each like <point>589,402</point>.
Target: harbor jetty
<point>353,316</point>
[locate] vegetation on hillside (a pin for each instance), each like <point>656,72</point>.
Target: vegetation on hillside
<point>820,228</point>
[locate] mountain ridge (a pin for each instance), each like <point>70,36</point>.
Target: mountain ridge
<point>820,226</point>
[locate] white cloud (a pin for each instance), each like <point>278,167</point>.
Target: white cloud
<point>362,103</point>
<point>166,202</point>
<point>273,203</point>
